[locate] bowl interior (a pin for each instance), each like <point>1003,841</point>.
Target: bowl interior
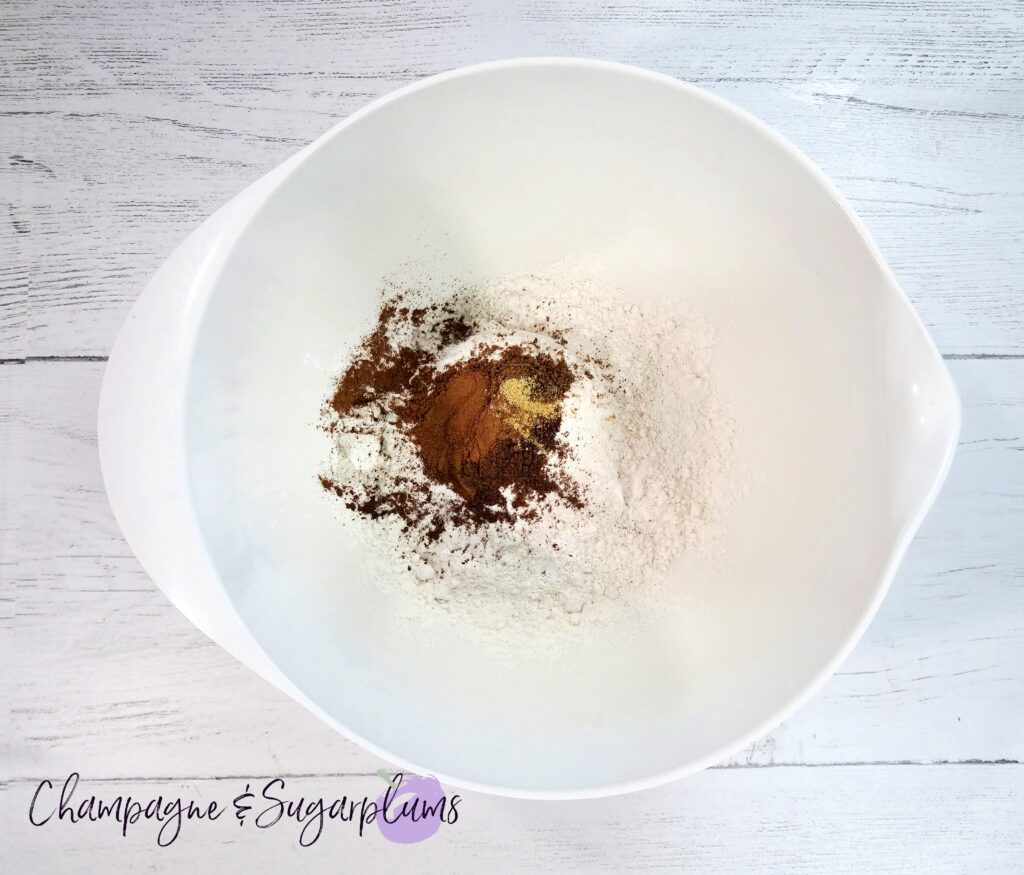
<point>845,415</point>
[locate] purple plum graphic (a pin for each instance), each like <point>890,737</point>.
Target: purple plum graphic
<point>411,808</point>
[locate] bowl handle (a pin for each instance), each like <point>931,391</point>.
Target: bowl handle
<point>923,411</point>
<point>142,435</point>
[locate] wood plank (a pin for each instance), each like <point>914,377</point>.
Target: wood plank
<point>123,125</point>
<point>122,129</point>
<point>794,820</point>
<point>102,674</point>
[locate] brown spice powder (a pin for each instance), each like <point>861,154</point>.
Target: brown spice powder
<point>486,427</point>
<point>489,424</point>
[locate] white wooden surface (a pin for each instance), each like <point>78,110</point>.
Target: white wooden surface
<point>123,124</point>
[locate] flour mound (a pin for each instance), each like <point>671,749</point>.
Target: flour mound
<point>647,438</point>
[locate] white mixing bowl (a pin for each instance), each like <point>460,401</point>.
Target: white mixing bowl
<point>848,416</point>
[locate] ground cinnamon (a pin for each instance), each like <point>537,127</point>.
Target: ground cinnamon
<point>486,427</point>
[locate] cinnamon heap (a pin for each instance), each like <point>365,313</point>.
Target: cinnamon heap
<point>489,424</point>
<point>486,426</point>
<point>380,368</point>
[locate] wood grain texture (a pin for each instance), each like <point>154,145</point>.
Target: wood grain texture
<point>124,125</point>
<point>846,819</point>
<point>101,670</point>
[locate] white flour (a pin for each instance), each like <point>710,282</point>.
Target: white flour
<point>651,446</point>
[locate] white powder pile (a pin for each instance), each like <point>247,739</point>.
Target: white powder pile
<point>650,445</point>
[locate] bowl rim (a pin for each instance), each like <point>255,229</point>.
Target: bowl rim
<point>897,552</point>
